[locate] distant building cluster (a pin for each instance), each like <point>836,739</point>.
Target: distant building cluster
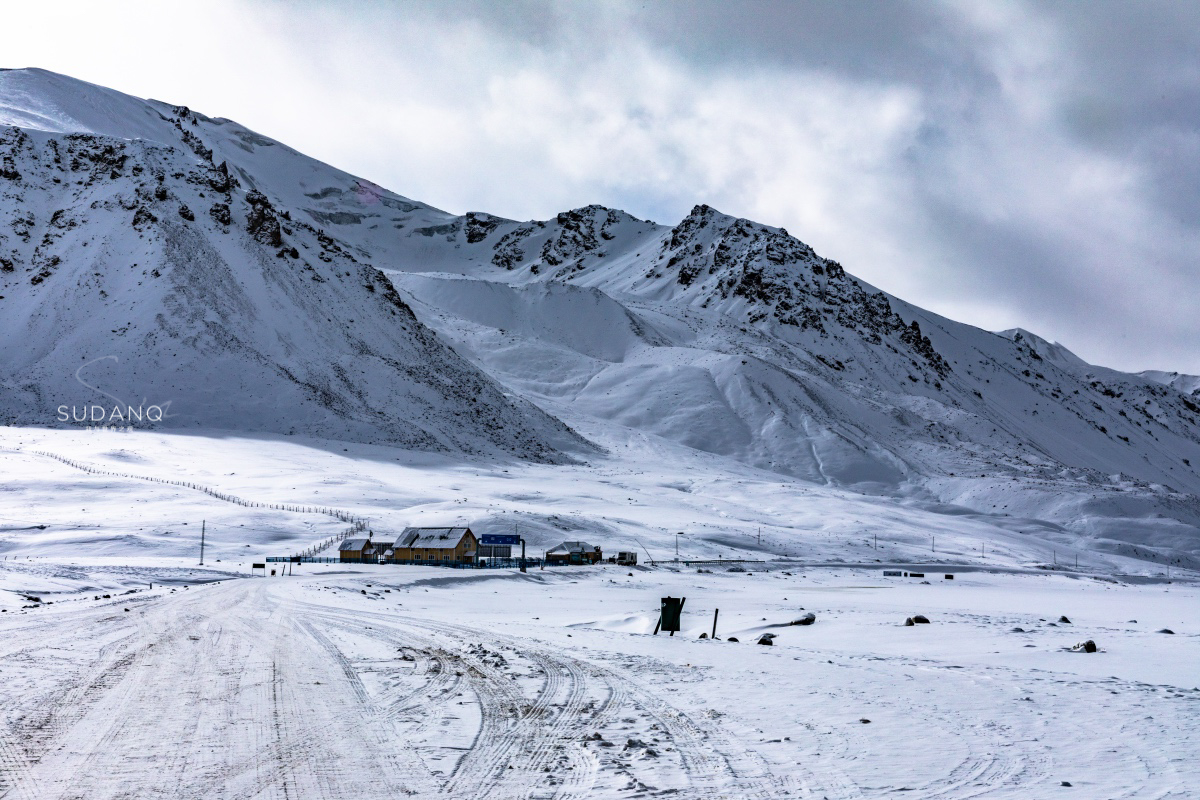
<point>415,546</point>
<point>459,545</point>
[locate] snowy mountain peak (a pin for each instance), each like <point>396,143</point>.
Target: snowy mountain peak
<point>744,267</point>
<point>731,256</point>
<point>563,247</point>
<point>181,270</point>
<point>1053,352</point>
<point>1185,384</point>
<point>37,99</point>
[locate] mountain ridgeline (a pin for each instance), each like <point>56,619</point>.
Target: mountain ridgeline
<point>151,252</point>
<point>141,267</point>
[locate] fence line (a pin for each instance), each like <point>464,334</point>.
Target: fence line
<point>488,563</point>
<point>357,524</point>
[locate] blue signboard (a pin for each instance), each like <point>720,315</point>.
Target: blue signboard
<point>497,538</point>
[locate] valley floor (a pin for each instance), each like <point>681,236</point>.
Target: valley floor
<point>378,682</point>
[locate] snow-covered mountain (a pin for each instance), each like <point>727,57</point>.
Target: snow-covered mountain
<point>736,338</point>
<point>1188,384</point>
<point>249,284</point>
<point>150,257</point>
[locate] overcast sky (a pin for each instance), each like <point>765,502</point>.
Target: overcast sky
<point>1004,164</point>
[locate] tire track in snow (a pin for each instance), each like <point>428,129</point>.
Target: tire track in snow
<point>711,775</point>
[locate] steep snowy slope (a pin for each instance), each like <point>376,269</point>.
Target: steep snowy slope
<point>719,285</point>
<point>1187,384</point>
<point>734,337</point>
<point>138,267</point>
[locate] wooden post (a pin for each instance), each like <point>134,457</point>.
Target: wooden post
<point>202,524</point>
<point>716,611</point>
<point>682,600</point>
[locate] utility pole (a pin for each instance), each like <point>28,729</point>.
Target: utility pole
<point>202,524</point>
<point>522,547</point>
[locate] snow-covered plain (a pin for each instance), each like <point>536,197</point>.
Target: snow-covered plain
<point>387,681</point>
<point>400,681</point>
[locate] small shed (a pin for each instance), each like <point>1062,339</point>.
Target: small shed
<point>353,549</point>
<point>574,553</point>
<point>436,545</point>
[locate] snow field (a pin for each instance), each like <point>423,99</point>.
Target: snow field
<point>635,498</point>
<point>383,681</point>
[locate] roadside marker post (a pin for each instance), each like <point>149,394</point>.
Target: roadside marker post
<point>669,614</point>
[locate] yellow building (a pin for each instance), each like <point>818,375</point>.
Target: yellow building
<point>352,549</point>
<point>435,545</point>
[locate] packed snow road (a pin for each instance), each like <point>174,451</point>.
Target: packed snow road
<point>369,685</point>
<point>251,689</point>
